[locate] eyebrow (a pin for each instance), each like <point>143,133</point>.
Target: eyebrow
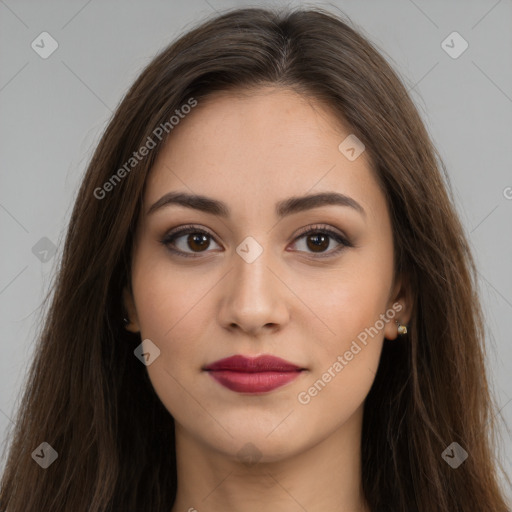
<point>283,208</point>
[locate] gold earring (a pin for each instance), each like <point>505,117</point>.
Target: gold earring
<point>402,329</point>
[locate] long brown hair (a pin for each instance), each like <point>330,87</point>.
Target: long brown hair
<point>90,398</point>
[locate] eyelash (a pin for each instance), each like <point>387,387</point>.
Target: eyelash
<point>317,229</point>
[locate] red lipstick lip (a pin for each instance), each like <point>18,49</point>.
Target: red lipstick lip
<point>253,374</point>
<point>265,363</point>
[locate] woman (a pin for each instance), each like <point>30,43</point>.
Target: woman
<point>266,297</point>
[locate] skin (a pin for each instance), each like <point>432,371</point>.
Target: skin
<point>250,150</point>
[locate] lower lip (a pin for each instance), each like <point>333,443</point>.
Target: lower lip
<point>259,382</point>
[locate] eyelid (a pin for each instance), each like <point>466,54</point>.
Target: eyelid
<point>324,228</point>
<point>188,227</point>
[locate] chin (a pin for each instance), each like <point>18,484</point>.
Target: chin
<point>252,445</point>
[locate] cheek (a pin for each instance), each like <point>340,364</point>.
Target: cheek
<point>350,299</point>
<point>172,315</point>
<point>164,296</point>
<point>350,302</point>
<point>344,371</point>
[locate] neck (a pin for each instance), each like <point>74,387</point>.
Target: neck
<point>326,476</point>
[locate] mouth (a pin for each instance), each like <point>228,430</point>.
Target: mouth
<point>253,374</point>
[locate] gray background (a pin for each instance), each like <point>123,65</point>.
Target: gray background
<point>54,110</point>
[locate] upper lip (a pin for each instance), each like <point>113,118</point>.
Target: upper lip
<point>264,363</point>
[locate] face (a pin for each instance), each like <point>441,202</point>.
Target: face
<point>248,279</point>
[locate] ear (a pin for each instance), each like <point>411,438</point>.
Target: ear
<point>131,312</point>
<point>401,303</point>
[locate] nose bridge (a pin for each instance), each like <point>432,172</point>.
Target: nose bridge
<point>252,279</point>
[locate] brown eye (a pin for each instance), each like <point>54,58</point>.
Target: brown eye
<point>318,239</point>
<point>188,241</point>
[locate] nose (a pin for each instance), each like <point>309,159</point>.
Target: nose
<point>254,299</point>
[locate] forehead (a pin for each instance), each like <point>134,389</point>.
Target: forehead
<point>251,148</point>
